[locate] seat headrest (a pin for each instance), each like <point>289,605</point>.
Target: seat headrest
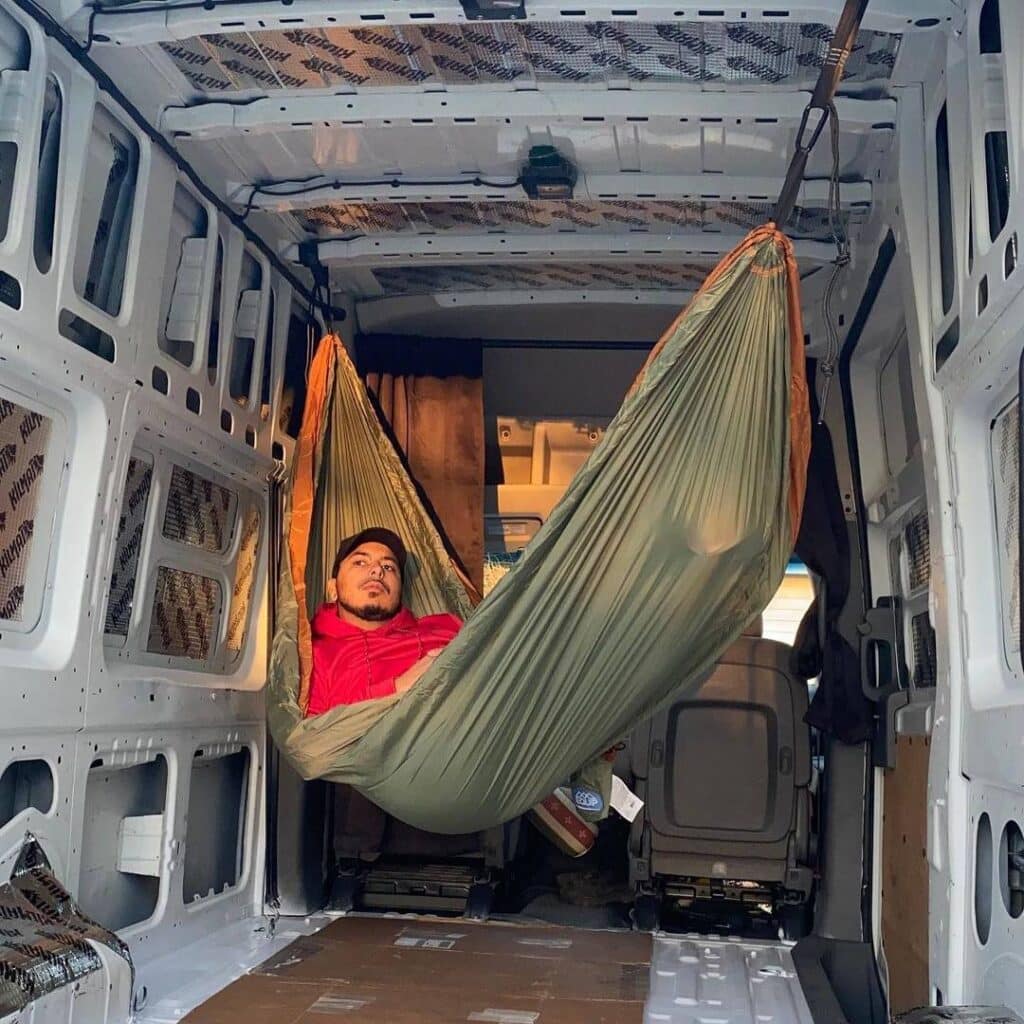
<point>755,627</point>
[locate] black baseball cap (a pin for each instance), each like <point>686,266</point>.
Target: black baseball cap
<point>376,534</point>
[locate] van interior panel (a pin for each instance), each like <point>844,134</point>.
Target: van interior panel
<point>905,875</point>
<point>828,825</point>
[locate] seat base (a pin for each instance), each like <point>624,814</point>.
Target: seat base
<point>730,906</point>
<point>393,885</point>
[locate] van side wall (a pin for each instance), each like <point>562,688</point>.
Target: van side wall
<point>145,344</point>
<point>945,328</point>
<point>151,356</point>
<point>975,805</point>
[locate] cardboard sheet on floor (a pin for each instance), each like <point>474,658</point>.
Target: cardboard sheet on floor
<point>433,970</point>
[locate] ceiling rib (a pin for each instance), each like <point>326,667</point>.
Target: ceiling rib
<point>283,196</point>
<point>376,312</point>
<point>551,248</point>
<point>479,105</point>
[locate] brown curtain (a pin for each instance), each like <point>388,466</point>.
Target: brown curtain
<point>430,393</point>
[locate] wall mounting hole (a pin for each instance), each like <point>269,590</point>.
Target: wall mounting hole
<point>1011,868</point>
<point>24,785</point>
<point>983,878</point>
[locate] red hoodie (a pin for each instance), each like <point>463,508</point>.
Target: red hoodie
<point>352,664</point>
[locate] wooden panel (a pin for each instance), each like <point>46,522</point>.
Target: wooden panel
<point>368,970</point>
<point>905,874</point>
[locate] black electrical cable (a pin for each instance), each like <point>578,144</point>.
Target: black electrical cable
<point>106,84</point>
<point>151,8</point>
<point>141,7</point>
<point>309,185</point>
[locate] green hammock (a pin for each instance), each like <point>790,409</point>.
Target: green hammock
<point>672,536</point>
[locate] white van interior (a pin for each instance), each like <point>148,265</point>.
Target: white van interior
<point>193,192</point>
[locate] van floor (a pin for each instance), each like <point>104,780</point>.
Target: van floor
<point>428,970</point>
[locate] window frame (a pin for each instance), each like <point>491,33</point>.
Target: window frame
<point>51,487</point>
<point>82,265</point>
<point>159,551</point>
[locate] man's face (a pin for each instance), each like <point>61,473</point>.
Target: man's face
<point>370,583</point>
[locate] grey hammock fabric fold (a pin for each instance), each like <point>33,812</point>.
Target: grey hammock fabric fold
<point>672,536</point>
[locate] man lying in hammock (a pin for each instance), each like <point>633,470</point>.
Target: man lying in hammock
<point>366,644</point>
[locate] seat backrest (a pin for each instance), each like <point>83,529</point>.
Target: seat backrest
<point>363,831</point>
<point>725,765</point>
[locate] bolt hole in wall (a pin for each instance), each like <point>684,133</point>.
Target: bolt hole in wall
<point>1011,869</point>
<point>983,878</point>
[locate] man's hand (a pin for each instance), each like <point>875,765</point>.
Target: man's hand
<point>411,676</point>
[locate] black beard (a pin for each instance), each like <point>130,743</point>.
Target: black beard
<point>369,612</point>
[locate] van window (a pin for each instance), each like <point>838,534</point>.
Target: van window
<point>46,178</point>
<point>184,278</point>
<point>783,614</point>
<point>246,326</point>
<point>947,267</point>
<point>107,202</point>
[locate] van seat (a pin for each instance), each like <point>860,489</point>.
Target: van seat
<point>725,776</point>
<point>386,863</point>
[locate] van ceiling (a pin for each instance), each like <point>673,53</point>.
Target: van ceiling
<point>390,136</point>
